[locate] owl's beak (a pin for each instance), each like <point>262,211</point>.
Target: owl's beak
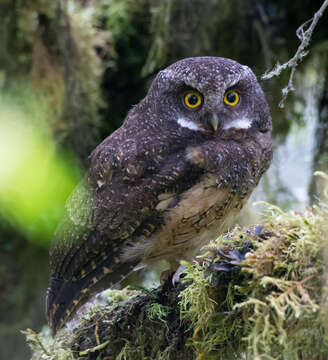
<point>214,122</point>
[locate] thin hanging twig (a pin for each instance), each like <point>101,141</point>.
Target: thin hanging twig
<point>305,38</point>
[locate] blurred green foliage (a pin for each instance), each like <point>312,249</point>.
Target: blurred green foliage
<point>118,16</point>
<point>127,23</point>
<point>35,178</point>
<point>50,47</point>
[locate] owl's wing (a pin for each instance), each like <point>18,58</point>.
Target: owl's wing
<point>117,202</point>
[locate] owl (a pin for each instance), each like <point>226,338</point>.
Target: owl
<point>170,179</point>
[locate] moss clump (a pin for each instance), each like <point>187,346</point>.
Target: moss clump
<point>60,348</point>
<point>156,311</point>
<point>272,305</point>
<point>270,309</point>
<point>45,348</point>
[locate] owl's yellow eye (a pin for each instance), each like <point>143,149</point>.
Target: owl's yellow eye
<point>231,97</point>
<point>192,99</point>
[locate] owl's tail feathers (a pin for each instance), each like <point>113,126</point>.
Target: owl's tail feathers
<point>65,297</point>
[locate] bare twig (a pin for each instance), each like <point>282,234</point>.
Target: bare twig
<point>305,38</point>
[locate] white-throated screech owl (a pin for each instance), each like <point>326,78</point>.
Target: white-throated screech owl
<point>169,180</point>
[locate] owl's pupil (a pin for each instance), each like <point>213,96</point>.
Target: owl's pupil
<point>231,97</point>
<point>192,99</point>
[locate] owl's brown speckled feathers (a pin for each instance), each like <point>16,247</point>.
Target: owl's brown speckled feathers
<point>170,179</point>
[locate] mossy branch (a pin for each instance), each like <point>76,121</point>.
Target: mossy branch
<point>256,293</point>
<point>305,37</point>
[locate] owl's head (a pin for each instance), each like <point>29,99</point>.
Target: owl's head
<point>210,95</point>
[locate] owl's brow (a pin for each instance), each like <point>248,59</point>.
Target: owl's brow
<point>193,83</point>
<point>233,80</point>
<point>236,77</point>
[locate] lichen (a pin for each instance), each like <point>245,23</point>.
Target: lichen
<point>271,308</point>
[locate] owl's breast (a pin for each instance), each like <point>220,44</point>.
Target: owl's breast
<point>194,215</point>
<point>203,212</point>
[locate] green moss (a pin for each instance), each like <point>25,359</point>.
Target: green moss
<point>114,296</point>
<point>195,303</point>
<point>129,352</point>
<point>157,311</point>
<point>271,308</point>
<point>44,347</point>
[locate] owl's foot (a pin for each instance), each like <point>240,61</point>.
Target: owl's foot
<point>230,260</point>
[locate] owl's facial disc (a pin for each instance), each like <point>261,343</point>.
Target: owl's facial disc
<point>193,102</point>
<point>213,101</point>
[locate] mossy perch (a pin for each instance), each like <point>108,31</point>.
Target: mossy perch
<point>271,306</point>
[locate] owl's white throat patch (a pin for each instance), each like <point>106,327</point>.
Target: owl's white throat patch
<point>188,124</point>
<point>242,123</point>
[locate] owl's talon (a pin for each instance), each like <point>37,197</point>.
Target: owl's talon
<point>230,260</point>
<point>177,274</point>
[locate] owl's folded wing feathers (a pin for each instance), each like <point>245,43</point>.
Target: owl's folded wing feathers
<point>118,202</point>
